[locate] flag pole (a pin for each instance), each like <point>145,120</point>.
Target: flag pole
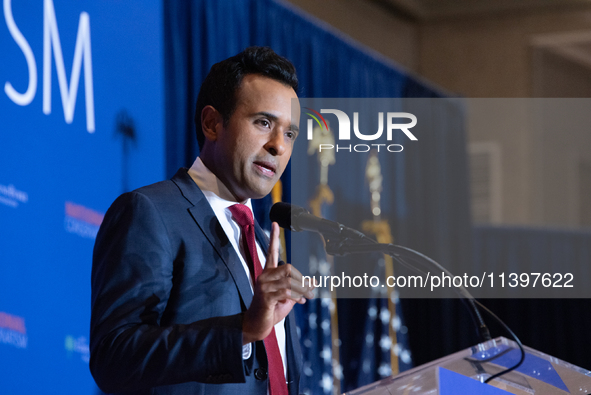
<point>323,195</point>
<point>382,231</point>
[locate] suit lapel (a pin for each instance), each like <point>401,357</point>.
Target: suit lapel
<point>294,353</point>
<point>205,218</point>
<point>261,237</point>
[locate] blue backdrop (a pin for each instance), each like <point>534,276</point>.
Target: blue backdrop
<point>58,178</point>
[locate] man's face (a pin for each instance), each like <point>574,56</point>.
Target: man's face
<point>252,150</point>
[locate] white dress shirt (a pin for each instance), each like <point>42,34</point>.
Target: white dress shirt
<point>220,198</point>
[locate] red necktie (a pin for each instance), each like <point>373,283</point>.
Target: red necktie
<point>243,217</point>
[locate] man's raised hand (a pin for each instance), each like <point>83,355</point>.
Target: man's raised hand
<point>277,290</point>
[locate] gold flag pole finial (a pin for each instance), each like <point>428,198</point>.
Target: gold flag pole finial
<point>373,174</point>
<point>323,194</point>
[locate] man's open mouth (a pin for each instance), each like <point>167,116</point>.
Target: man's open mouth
<point>266,168</point>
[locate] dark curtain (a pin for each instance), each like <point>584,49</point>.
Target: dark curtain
<point>559,327</point>
<point>200,33</point>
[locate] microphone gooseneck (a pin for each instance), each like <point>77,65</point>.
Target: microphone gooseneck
<point>342,240</point>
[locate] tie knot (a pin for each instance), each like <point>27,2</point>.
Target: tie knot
<point>242,214</point>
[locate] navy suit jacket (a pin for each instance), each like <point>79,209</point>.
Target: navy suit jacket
<point>168,297</point>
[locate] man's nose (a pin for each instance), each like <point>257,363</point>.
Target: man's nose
<point>276,144</point>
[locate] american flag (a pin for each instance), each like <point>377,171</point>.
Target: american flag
<point>315,328</point>
<point>365,343</point>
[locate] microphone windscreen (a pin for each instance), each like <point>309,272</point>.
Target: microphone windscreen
<point>282,213</point>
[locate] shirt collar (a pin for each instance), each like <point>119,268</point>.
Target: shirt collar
<point>211,186</point>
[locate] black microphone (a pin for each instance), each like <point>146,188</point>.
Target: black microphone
<point>297,219</point>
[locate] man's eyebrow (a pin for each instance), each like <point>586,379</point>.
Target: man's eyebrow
<point>266,115</point>
<point>274,118</point>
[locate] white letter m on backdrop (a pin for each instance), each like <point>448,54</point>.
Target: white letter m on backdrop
<point>51,39</point>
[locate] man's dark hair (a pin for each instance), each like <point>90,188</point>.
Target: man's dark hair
<point>223,81</point>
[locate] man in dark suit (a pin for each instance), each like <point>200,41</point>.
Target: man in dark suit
<point>181,303</point>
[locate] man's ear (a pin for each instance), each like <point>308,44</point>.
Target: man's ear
<point>211,122</point>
